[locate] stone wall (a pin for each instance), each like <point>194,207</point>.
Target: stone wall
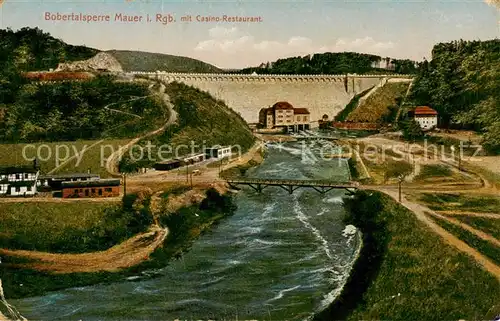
<point>247,94</point>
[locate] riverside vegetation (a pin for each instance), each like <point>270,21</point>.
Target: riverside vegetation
<point>405,271</point>
<point>134,215</point>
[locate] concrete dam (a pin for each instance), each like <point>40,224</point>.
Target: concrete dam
<point>247,94</point>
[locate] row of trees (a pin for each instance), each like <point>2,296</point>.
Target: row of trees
<point>31,49</point>
<point>331,63</point>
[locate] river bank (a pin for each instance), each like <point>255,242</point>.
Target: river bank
<point>406,272</point>
<point>37,278</point>
<point>25,282</point>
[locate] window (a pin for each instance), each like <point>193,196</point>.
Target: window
<point>18,176</point>
<point>26,176</point>
<point>109,190</point>
<point>76,191</point>
<point>100,191</point>
<point>18,189</point>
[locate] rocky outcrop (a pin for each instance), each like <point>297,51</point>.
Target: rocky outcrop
<point>101,62</point>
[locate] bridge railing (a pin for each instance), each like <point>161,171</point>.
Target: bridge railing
<point>292,182</point>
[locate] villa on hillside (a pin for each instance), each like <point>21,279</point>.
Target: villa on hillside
<point>284,115</point>
<point>426,117</point>
<point>18,180</point>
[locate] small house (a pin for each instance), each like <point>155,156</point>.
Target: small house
<point>218,152</point>
<point>91,188</point>
<point>18,180</point>
<point>168,165</point>
<point>426,117</point>
<point>193,159</point>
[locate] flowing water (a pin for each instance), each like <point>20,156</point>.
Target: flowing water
<point>279,257</point>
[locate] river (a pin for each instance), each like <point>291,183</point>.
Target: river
<point>279,257</point>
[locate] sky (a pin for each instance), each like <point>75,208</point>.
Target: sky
<point>389,28</point>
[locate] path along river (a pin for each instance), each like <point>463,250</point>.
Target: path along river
<point>279,257</point>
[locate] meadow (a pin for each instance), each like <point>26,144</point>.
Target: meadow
<point>407,272</point>
<point>54,227</point>
<point>461,202</point>
<point>53,154</point>
<point>488,249</point>
<point>487,225</point>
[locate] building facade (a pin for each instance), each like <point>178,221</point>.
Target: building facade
<point>55,181</point>
<point>218,152</point>
<point>284,115</point>
<point>193,159</point>
<point>426,117</point>
<point>18,181</point>
<point>97,188</point>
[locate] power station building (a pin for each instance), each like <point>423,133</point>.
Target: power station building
<point>284,115</point>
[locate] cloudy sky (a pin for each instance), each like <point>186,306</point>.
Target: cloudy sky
<point>400,29</point>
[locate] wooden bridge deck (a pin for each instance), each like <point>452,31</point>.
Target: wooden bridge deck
<point>321,186</point>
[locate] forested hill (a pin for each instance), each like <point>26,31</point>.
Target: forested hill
<point>462,82</point>
<point>147,61</point>
<point>331,63</point>
<point>30,49</point>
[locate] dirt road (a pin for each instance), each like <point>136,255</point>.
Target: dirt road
<point>207,176</point>
<point>114,158</point>
<point>420,212</point>
<point>129,253</point>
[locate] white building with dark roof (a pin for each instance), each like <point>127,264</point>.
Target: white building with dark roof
<point>18,180</point>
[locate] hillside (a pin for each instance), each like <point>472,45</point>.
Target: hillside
<point>97,108</point>
<point>332,63</point>
<point>202,121</point>
<point>381,105</point>
<point>462,83</point>
<point>146,61</point>
<point>31,49</point>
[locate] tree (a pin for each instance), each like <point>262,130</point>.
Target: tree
<point>412,130</point>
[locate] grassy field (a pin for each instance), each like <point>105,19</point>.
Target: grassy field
<point>376,106</point>
<point>351,106</point>
<point>49,153</point>
<point>414,275</point>
<point>57,227</point>
<point>460,202</point>
<point>487,225</point>
<point>429,171</point>
<point>92,158</point>
<point>485,247</point>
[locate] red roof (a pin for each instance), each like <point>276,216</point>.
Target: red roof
<point>425,111</point>
<point>301,111</point>
<point>282,105</point>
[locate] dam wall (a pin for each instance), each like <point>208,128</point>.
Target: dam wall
<point>247,94</point>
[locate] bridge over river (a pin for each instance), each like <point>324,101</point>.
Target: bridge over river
<point>291,185</point>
